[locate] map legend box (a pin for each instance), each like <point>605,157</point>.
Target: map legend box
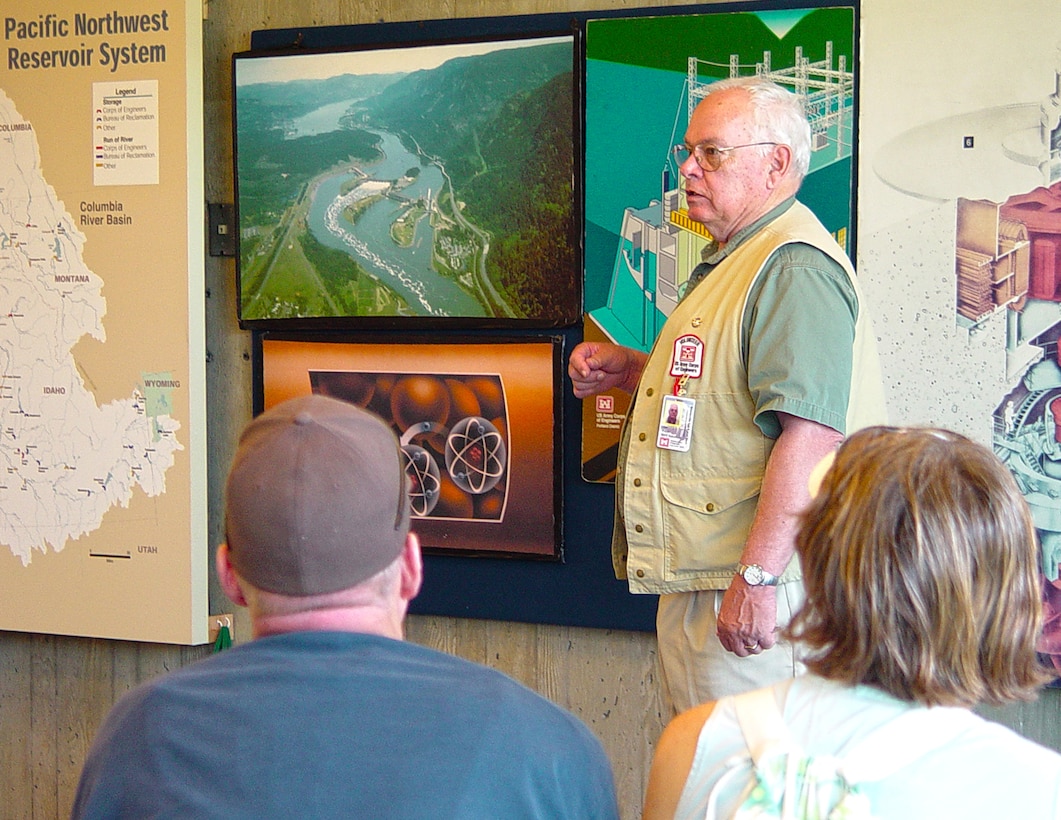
<point>125,133</point>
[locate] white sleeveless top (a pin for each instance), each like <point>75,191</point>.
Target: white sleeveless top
<point>986,771</point>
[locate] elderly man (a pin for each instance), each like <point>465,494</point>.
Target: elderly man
<point>328,712</point>
<point>763,367</point>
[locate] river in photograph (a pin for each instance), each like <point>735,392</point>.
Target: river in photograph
<point>319,120</point>
<point>407,270</point>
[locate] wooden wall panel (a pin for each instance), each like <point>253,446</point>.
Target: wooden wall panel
<point>84,690</point>
<point>44,728</point>
<point>16,721</point>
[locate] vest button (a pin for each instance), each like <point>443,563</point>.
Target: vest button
<point>640,573</point>
<point>637,482</point>
<point>638,528</point>
<point>710,506</point>
<point>650,391</point>
<point>641,436</point>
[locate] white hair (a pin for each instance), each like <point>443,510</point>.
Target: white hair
<point>777,115</point>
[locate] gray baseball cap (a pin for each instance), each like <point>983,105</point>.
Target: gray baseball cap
<point>316,499</point>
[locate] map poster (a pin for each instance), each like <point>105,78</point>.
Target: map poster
<point>102,321</point>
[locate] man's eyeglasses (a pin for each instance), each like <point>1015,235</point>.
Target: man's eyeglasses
<point>708,155</point>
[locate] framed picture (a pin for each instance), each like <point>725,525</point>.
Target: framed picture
<point>430,183</point>
<point>475,418</point>
<point>640,243</point>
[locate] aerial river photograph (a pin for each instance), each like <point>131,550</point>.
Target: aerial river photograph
<point>434,181</point>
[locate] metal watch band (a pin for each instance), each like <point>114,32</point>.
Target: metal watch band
<point>755,576</point>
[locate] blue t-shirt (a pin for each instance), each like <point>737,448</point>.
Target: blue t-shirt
<point>333,724</point>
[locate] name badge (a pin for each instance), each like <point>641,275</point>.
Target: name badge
<point>688,357</point>
<point>676,423</point>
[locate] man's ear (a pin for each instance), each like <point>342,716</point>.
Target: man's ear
<point>226,574</point>
<point>780,163</point>
<point>412,567</point>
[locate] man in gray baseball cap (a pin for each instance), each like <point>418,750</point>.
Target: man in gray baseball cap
<point>316,499</point>
<point>328,712</point>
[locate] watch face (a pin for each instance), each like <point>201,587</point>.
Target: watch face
<point>753,575</point>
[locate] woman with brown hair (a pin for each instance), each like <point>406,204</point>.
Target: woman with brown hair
<point>919,559</point>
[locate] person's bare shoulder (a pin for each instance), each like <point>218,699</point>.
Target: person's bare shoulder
<point>672,760</point>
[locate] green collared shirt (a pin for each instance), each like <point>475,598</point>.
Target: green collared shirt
<point>797,331</point>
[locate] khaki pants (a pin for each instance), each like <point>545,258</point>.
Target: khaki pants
<point>695,668</point>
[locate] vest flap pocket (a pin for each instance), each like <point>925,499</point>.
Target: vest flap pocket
<point>709,495</point>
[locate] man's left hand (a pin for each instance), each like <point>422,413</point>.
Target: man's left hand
<point>747,619</point>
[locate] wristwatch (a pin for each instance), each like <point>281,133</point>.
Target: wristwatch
<point>755,576</point>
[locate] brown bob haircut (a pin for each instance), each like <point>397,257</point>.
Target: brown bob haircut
<point>920,563</point>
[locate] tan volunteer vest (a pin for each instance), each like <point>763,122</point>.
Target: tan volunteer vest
<point>685,516</point>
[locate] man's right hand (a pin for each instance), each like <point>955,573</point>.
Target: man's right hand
<point>598,366</point>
